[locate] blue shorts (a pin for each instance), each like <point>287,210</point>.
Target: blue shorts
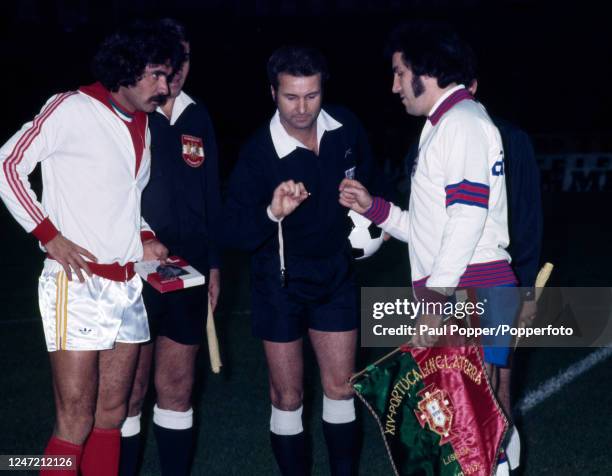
<point>501,307</point>
<point>320,294</point>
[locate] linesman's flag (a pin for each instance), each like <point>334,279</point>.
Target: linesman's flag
<point>436,411</point>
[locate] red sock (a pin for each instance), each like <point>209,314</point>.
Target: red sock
<point>101,453</point>
<point>57,447</point>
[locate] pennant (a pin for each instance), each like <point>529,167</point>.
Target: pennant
<point>436,411</point>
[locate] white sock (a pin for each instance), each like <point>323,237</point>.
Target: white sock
<point>513,449</point>
<point>286,423</point>
<point>338,411</point>
<point>131,426</point>
<point>171,419</point>
<point>503,469</point>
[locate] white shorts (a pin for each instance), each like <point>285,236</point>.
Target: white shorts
<point>92,315</point>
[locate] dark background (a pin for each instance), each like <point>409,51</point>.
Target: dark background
<point>543,65</point>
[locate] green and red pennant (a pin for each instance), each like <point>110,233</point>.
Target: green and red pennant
<point>436,411</point>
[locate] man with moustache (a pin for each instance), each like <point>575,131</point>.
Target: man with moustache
<point>94,147</point>
<point>456,226</point>
<point>282,206</point>
<point>182,203</point>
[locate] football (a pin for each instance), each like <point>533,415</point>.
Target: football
<point>365,237</point>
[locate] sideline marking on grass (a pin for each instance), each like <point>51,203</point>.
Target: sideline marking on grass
<point>556,383</point>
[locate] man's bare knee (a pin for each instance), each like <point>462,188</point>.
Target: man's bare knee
<point>74,421</point>
<point>336,383</point>
<point>74,386</point>
<point>174,373</point>
<point>110,414</point>
<point>335,353</point>
<point>338,390</point>
<point>174,401</point>
<point>111,419</point>
<point>286,399</point>
<point>174,390</point>
<point>117,370</point>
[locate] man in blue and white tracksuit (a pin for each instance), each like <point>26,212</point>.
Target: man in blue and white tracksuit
<point>456,225</point>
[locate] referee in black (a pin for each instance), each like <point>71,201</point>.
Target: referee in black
<point>282,206</point>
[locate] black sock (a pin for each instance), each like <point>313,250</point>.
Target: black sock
<point>129,460</point>
<point>175,449</point>
<point>343,447</point>
<point>290,453</point>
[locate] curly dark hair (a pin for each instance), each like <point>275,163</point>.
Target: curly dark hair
<point>175,27</point>
<point>297,61</point>
<point>123,56</point>
<point>435,50</point>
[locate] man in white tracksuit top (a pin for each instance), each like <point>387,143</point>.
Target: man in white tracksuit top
<point>94,149</point>
<point>456,225</point>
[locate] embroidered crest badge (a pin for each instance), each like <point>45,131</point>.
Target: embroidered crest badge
<point>436,410</point>
<point>193,150</point>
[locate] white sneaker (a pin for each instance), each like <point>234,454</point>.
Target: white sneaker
<point>503,469</point>
<point>513,449</point>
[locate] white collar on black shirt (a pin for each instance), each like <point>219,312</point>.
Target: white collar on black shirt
<point>285,144</point>
<point>180,104</point>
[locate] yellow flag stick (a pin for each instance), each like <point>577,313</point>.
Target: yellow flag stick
<point>213,343</point>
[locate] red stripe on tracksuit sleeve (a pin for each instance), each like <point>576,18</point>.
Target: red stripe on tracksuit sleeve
<point>468,198</point>
<point>12,161</point>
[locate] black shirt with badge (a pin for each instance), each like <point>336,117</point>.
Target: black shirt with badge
<point>182,201</point>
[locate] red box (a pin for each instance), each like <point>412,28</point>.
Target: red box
<point>181,274</point>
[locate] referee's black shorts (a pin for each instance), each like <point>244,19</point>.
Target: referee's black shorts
<point>178,315</point>
<point>320,294</point>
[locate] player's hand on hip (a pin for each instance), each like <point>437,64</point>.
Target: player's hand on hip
<point>287,197</point>
<point>214,287</point>
<point>153,249</point>
<point>71,256</point>
<point>355,196</point>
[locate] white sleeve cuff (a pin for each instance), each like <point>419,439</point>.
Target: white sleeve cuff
<point>271,215</point>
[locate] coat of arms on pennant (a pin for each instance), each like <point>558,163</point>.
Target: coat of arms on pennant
<point>436,410</point>
<point>193,150</point>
